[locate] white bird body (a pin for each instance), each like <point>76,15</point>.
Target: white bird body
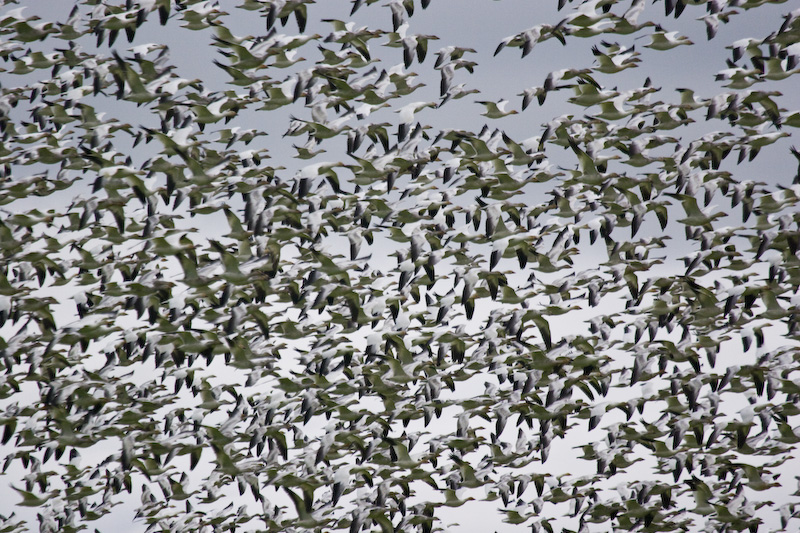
<point>496,110</point>
<point>667,40</point>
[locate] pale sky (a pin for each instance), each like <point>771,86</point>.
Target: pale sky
<point>480,25</point>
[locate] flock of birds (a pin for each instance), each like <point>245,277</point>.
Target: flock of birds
<point>417,319</point>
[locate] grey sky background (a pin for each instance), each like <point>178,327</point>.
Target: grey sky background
<point>480,25</point>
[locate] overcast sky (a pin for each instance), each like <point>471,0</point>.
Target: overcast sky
<point>480,25</point>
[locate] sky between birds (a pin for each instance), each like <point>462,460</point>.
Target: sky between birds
<point>497,75</point>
